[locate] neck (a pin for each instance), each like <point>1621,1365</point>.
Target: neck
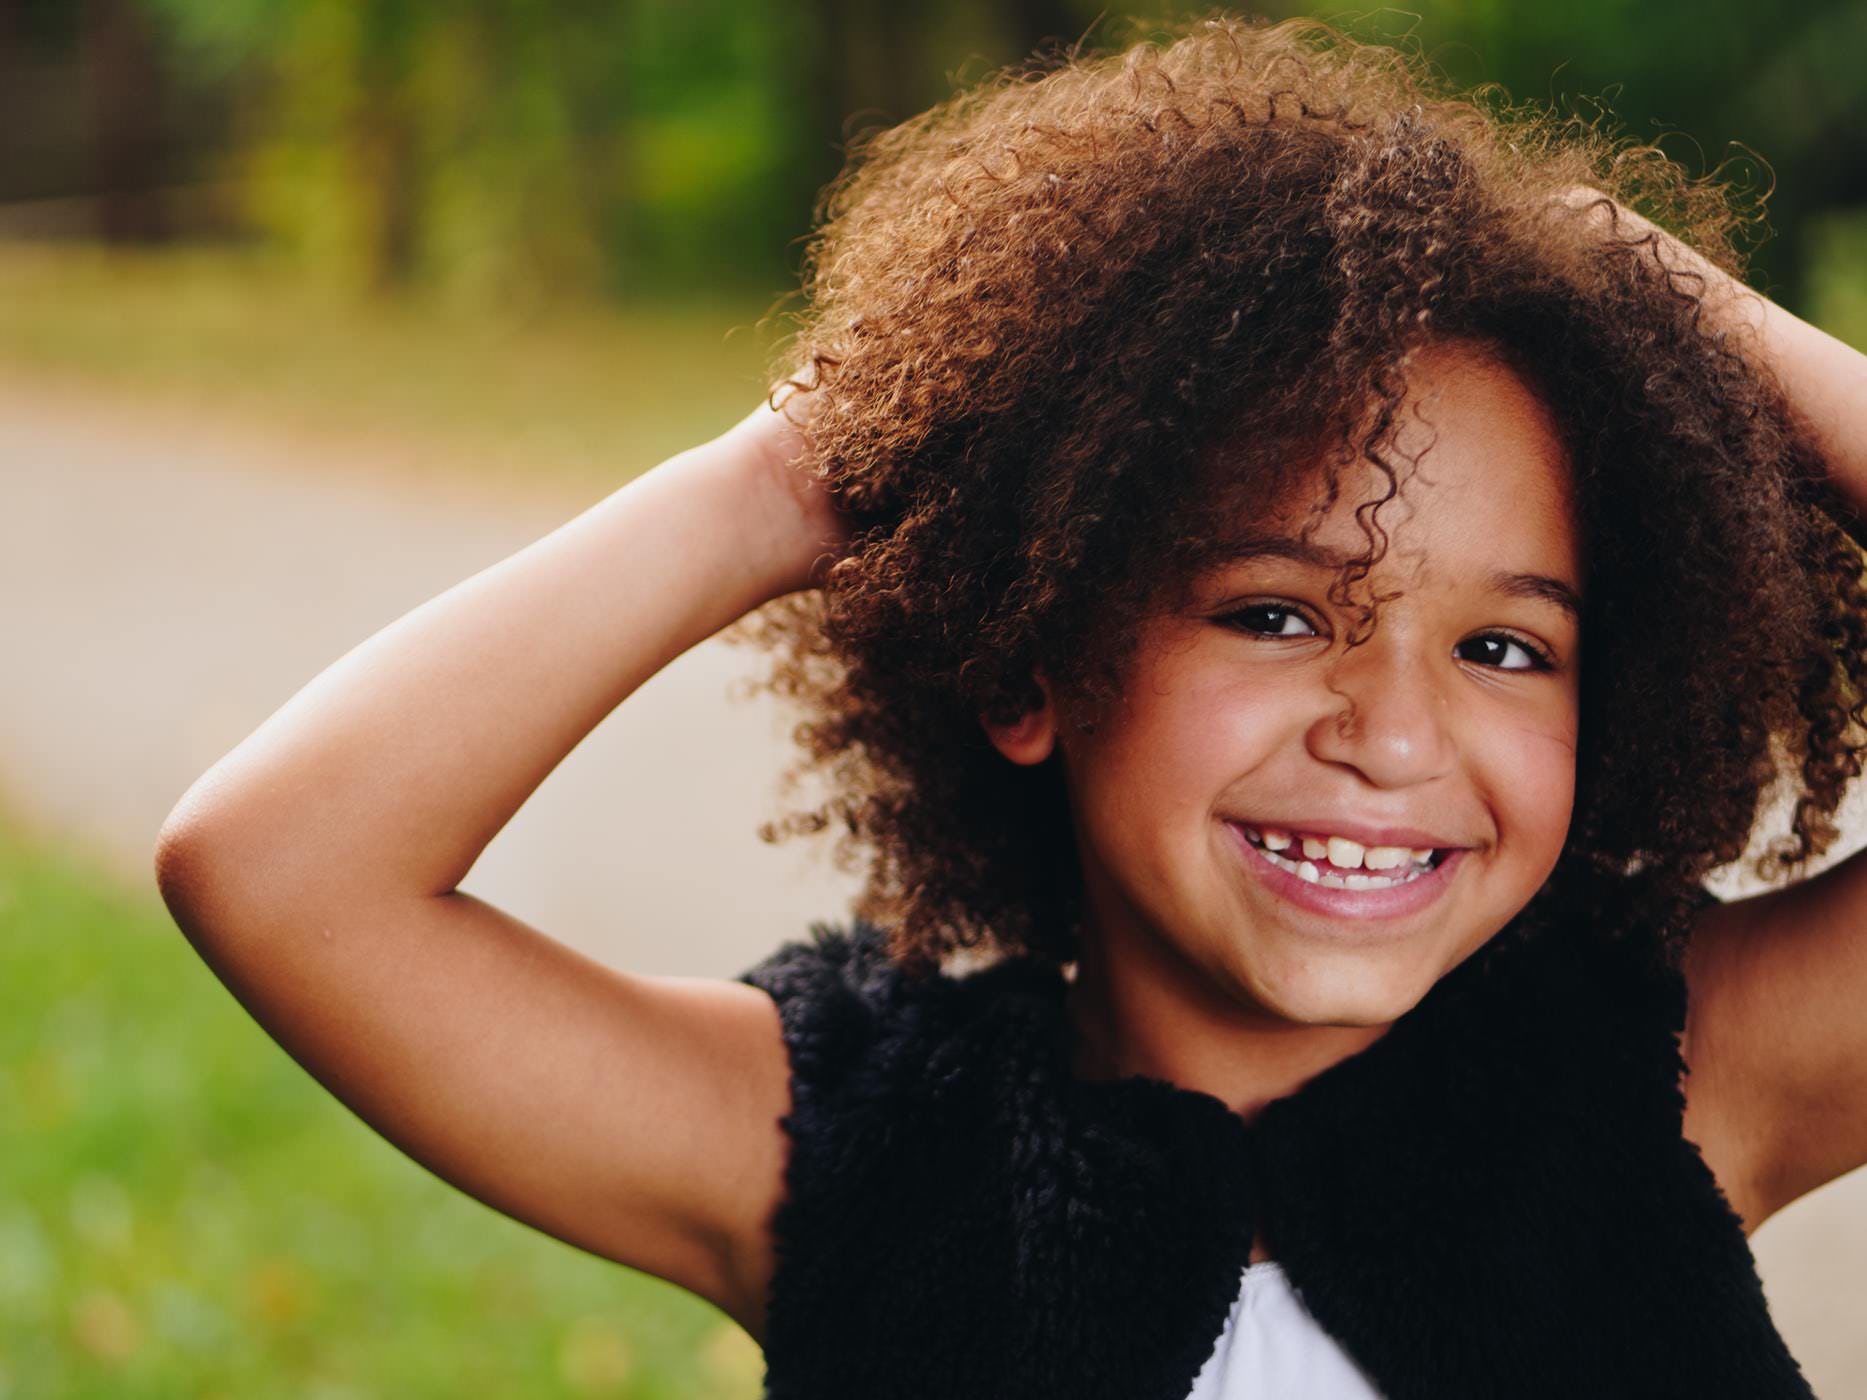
<point>1138,1007</point>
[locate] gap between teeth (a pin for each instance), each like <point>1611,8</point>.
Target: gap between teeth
<point>1344,855</point>
<point>1307,871</point>
<point>1337,852</point>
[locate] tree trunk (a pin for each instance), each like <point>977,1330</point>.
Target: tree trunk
<point>127,121</point>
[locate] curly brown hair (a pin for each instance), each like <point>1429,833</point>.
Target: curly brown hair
<point>1067,325</point>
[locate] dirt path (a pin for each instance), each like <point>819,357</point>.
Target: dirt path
<point>166,582</point>
<point>169,582</point>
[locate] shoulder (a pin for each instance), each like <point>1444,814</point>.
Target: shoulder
<point>842,974</point>
<point>896,1141</point>
<point>865,1034</point>
<point>841,995</point>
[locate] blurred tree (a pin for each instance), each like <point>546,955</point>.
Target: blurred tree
<point>472,146</point>
<point>381,133</point>
<point>128,111</point>
<point>517,149</point>
<point>1770,97</point>
<point>1805,100</point>
<point>88,129</point>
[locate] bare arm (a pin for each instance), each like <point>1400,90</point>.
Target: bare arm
<point>1825,378</point>
<point>314,868</point>
<point>1775,1030</point>
<point>393,769</point>
<point>1775,1033</point>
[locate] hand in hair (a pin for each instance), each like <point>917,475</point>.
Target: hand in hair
<point>1823,379</point>
<point>775,435</point>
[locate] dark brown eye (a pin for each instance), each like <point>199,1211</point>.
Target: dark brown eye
<point>1270,620</point>
<point>1495,650</point>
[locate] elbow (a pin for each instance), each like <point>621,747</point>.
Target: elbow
<point>192,869</point>
<point>181,875</point>
<point>226,878</point>
<point>179,843</point>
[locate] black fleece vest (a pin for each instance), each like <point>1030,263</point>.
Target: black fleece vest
<point>1495,1199</point>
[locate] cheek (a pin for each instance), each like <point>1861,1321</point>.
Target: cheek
<point>1534,777</point>
<point>1183,738</point>
<point>1150,784</point>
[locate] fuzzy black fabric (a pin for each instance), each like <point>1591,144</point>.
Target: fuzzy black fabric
<point>1494,1199</point>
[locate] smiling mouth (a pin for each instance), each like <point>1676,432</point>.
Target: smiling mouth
<point>1337,863</point>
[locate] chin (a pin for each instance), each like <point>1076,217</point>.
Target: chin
<point>1339,1013</point>
<point>1345,995</point>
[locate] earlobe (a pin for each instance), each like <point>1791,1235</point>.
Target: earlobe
<point>1031,737</point>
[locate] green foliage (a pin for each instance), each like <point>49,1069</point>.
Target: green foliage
<point>1838,275</point>
<point>514,151</point>
<point>185,1212</point>
<point>1767,98</point>
<point>507,151</point>
<point>219,38</point>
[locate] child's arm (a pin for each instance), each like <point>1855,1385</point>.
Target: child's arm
<point>1776,1030</point>
<point>1826,378</point>
<point>314,868</point>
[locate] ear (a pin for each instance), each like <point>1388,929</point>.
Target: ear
<point>1032,736</point>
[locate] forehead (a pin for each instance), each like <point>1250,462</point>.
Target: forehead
<point>1484,485</point>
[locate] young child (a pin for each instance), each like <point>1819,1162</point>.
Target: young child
<point>1296,584</point>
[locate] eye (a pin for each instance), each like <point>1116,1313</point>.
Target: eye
<point>1497,649</point>
<point>1502,651</point>
<point>1270,620</point>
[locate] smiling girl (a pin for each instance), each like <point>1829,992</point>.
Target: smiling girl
<point>1294,584</point>
<point>1277,831</point>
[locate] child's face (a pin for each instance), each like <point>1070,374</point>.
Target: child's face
<point>1246,711</point>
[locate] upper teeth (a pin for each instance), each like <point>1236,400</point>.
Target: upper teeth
<point>1343,853</point>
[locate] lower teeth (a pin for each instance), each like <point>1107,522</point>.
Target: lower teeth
<point>1338,882</point>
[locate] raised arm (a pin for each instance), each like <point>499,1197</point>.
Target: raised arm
<point>1776,1030</point>
<point>1826,378</point>
<point>393,769</point>
<point>315,869</point>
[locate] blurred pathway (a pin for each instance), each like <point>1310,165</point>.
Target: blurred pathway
<point>167,582</point>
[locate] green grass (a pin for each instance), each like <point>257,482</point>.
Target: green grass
<point>185,1212</point>
<point>595,394</point>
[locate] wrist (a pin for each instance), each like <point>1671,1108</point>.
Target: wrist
<point>767,522</point>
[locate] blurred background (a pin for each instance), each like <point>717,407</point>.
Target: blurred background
<point>310,309</point>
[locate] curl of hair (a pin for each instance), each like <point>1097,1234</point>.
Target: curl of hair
<point>1065,327</point>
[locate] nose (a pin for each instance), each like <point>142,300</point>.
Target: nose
<point>1386,716</point>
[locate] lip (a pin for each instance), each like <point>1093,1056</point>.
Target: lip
<point>1394,902</point>
<point>1365,835</point>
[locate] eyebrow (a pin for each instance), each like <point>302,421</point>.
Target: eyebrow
<point>1504,581</point>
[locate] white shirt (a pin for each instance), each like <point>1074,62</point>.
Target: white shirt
<point>1271,1346</point>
